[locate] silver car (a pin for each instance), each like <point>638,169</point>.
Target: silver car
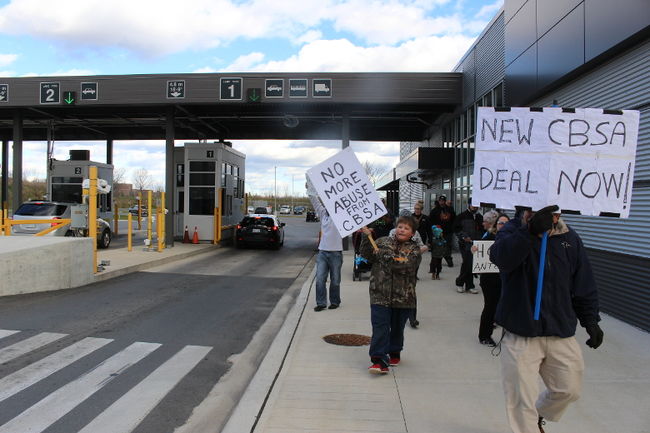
<point>47,210</point>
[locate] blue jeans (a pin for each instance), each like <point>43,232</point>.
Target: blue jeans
<point>387,330</point>
<point>328,262</point>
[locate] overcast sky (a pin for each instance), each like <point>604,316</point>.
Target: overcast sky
<point>96,37</point>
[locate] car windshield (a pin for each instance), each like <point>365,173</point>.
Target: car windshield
<point>41,209</point>
<point>257,221</point>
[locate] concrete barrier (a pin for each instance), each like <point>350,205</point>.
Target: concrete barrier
<point>36,264</point>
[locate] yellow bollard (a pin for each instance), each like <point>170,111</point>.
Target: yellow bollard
<point>149,217</point>
<point>162,220</point>
<point>140,211</point>
<point>116,219</point>
<point>128,233</point>
<point>92,213</point>
<point>158,231</point>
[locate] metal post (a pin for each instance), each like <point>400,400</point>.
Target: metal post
<point>163,223</point>
<point>5,173</point>
<point>169,178</point>
<point>140,210</point>
<point>345,142</point>
<point>116,220</point>
<point>92,212</point>
<point>149,216</point>
<point>129,243</point>
<point>275,190</point>
<point>17,171</point>
<point>109,151</point>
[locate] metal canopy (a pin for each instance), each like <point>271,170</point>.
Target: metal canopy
<point>379,106</point>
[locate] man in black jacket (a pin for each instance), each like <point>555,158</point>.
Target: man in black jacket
<point>443,215</point>
<point>546,345</point>
<point>469,227</point>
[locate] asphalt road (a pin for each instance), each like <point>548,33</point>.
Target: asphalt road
<point>80,354</point>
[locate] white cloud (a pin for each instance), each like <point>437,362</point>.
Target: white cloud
<point>245,62</point>
<point>310,36</point>
<point>7,59</point>
<point>488,11</point>
<point>430,54</point>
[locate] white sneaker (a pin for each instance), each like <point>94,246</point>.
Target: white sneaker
<point>473,291</point>
<point>460,290</point>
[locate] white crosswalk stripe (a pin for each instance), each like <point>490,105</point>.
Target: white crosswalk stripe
<point>47,411</point>
<point>28,345</point>
<point>6,333</point>
<point>126,413</point>
<point>37,371</point>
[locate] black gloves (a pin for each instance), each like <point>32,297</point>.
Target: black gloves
<point>542,220</point>
<point>595,336</point>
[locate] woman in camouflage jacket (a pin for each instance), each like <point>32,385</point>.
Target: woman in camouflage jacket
<point>392,291</point>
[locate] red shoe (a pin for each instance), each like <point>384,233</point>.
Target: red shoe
<point>394,362</point>
<point>378,368</point>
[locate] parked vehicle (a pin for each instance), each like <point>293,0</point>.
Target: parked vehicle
<point>250,209</point>
<point>133,210</point>
<point>298,210</point>
<point>265,230</point>
<point>47,210</point>
<point>311,216</point>
<point>260,210</point>
<point>285,209</point>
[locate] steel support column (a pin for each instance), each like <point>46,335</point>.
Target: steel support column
<point>109,151</point>
<point>5,173</point>
<point>169,178</point>
<point>17,170</point>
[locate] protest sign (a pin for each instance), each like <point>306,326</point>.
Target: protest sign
<point>481,263</point>
<point>580,159</point>
<point>348,195</point>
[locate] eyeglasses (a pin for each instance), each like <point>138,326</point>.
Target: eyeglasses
<point>500,223</point>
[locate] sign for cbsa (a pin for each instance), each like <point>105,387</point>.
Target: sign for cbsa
<point>344,188</point>
<point>580,159</point>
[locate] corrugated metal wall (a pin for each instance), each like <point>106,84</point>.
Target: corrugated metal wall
<point>490,58</point>
<point>619,247</point>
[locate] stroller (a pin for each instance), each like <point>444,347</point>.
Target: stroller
<point>361,265</point>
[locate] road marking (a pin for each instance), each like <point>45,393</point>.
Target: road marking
<point>37,371</point>
<point>27,345</point>
<point>6,333</point>
<point>47,411</point>
<point>126,413</point>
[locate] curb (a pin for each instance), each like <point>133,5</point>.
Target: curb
<point>236,402</point>
<point>150,264</point>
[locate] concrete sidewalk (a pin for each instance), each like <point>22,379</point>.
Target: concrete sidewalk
<point>447,382</point>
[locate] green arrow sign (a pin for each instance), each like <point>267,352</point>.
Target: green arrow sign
<point>69,98</point>
<point>254,95</point>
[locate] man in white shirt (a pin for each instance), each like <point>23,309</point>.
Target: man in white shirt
<point>330,256</point>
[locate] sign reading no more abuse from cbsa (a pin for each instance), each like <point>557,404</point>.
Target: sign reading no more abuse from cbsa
<point>348,195</point>
<point>581,159</point>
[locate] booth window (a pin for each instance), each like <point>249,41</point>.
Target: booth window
<point>202,182</point>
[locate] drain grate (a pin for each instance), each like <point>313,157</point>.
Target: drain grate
<point>347,339</point>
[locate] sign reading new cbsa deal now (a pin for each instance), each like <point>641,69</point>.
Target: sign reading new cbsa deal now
<point>348,195</point>
<point>580,159</point>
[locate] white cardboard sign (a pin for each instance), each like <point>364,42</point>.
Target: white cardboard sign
<point>481,263</point>
<point>348,195</point>
<point>582,161</point>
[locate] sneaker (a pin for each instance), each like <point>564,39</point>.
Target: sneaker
<point>394,361</point>
<point>473,291</point>
<point>333,306</point>
<point>319,307</point>
<point>487,341</point>
<point>378,368</point>
<point>540,423</point>
<point>414,324</point>
<point>460,289</point>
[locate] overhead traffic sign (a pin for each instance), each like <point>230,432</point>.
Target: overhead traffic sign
<point>176,89</point>
<point>69,98</point>
<point>322,88</point>
<point>254,95</point>
<point>230,89</point>
<point>89,91</point>
<point>274,88</point>
<point>4,92</point>
<point>50,93</point>
<point>298,88</point>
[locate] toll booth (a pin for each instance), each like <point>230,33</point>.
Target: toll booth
<point>202,170</point>
<point>65,178</point>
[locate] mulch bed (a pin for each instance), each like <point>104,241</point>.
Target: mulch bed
<point>347,339</point>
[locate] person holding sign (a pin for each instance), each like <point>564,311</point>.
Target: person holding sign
<point>490,282</point>
<point>330,256</point>
<point>539,311</point>
<point>469,227</point>
<point>392,291</point>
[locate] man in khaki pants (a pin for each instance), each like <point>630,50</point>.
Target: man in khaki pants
<point>541,341</point>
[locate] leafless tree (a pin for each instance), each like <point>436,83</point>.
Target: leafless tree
<point>374,171</point>
<point>119,175</point>
<point>142,179</point>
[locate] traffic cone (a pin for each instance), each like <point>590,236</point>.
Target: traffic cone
<point>186,236</point>
<point>195,238</point>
